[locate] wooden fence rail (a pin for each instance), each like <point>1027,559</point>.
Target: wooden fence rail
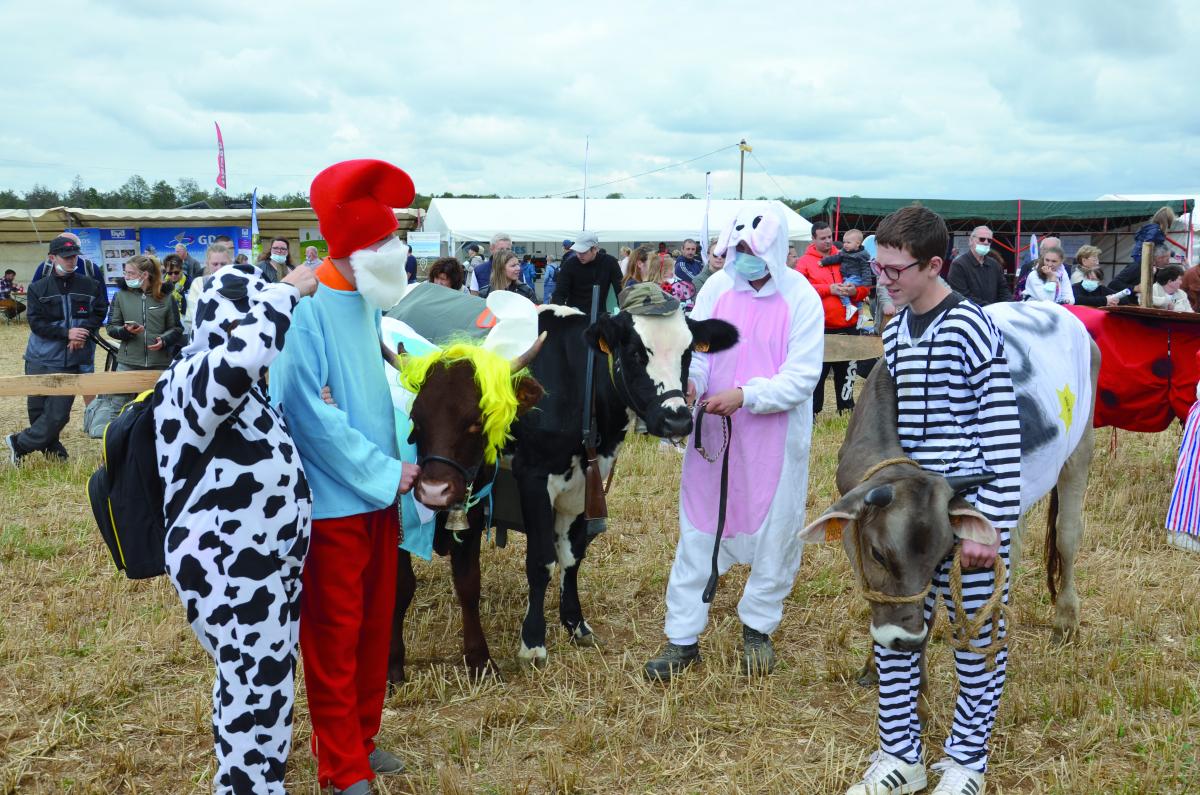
<point>838,348</point>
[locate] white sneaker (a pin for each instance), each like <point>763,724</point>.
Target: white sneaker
<point>1184,541</point>
<point>956,779</point>
<point>890,775</point>
<point>850,310</point>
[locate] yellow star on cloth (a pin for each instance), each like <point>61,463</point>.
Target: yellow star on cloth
<point>1066,404</point>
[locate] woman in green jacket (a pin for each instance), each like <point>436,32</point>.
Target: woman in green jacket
<point>144,318</point>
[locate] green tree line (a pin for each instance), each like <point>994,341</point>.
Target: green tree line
<point>138,194</point>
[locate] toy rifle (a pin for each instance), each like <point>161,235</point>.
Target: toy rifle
<point>595,508</point>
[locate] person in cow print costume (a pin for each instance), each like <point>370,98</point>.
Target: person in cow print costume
<point>352,460</point>
<point>765,383</point>
<point>236,550</point>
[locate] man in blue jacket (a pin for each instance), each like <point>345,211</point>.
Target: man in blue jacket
<point>65,309</point>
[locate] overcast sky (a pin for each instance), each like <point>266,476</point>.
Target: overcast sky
<point>939,100</point>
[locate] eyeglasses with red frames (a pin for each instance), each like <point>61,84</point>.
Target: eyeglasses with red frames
<point>891,271</point>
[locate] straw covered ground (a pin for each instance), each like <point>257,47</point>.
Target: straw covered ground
<point>104,689</point>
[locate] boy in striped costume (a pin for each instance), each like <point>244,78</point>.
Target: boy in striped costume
<point>956,415</point>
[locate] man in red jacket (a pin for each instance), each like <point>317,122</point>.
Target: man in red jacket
<point>827,280</point>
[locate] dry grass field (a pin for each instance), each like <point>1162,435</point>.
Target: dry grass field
<point>104,689</point>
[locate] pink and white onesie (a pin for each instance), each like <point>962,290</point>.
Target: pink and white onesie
<point>776,363</point>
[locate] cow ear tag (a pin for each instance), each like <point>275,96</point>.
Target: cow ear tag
<point>700,347</point>
<point>604,346</point>
<point>834,529</point>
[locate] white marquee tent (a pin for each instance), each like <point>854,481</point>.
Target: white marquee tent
<point>615,221</point>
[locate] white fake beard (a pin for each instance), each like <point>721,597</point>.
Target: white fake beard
<point>380,275</point>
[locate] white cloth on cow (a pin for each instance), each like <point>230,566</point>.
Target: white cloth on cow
<point>1044,339</point>
<point>416,520</point>
<point>786,316</point>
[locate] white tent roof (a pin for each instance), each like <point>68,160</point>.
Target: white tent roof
<point>613,220</point>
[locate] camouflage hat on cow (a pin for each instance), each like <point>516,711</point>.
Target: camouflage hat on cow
<point>647,298</point>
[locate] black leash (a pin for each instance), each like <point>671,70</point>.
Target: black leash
<point>727,425</point>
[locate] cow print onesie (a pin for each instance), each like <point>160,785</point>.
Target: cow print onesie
<point>236,551</point>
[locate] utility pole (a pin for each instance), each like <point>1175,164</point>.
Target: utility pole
<point>743,148</point>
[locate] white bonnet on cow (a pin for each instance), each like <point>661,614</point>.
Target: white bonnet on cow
<point>763,227</point>
<point>516,326</point>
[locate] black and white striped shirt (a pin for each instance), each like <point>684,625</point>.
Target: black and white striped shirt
<point>956,407</point>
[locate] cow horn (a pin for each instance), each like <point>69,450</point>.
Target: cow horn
<point>961,483</point>
<point>880,496</point>
<point>393,358</point>
<point>522,361</point>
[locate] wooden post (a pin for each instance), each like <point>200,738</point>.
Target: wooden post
<point>1147,271</point>
<point>111,383</point>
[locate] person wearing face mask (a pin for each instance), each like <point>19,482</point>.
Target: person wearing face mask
<point>65,310</point>
<point>352,461</point>
<point>765,383</point>
<point>977,274</point>
<point>1091,290</point>
<point>144,318</point>
<point>276,262</point>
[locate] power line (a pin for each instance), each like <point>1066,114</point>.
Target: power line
<point>782,192</point>
<point>644,173</point>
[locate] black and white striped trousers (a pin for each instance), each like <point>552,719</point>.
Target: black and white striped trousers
<point>978,688</point>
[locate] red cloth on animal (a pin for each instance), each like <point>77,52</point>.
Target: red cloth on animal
<point>1148,369</point>
<point>345,630</point>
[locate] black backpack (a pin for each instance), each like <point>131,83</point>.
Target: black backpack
<point>126,491</point>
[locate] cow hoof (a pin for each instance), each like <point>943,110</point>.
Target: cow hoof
<point>868,677</point>
<point>532,658</point>
<point>583,636</point>
<point>489,670</point>
<point>1064,635</point>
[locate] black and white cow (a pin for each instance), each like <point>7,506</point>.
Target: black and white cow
<point>640,370</point>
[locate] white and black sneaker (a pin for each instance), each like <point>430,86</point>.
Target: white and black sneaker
<point>957,779</point>
<point>890,775</point>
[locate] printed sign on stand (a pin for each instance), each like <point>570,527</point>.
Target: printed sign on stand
<point>161,241</point>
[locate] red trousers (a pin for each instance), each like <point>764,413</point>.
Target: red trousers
<point>345,628</point>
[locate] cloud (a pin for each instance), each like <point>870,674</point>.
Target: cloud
<point>976,100</point>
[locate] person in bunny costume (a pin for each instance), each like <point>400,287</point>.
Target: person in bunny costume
<point>765,384</point>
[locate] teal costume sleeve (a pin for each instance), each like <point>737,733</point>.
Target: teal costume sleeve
<point>326,440</point>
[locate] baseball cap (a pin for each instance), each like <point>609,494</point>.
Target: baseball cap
<point>585,241</point>
<point>568,243</point>
<point>646,298</point>
<point>63,246</point>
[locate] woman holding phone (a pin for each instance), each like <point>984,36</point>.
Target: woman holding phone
<point>144,318</point>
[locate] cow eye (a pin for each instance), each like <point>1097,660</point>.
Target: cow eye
<point>878,557</point>
<point>475,427</point>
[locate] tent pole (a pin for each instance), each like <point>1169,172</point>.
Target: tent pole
<point>837,218</point>
<point>1017,248</point>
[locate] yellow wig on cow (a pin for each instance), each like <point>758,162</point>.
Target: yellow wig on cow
<point>494,376</point>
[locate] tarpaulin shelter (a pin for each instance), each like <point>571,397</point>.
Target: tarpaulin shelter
<point>1012,221</point>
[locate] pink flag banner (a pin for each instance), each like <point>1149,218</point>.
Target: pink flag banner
<point>220,157</point>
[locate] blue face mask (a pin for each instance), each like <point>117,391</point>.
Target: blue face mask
<point>133,283</point>
<point>1090,284</point>
<point>279,259</point>
<point>750,266</point>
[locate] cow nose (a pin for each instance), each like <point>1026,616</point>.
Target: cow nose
<point>677,424</point>
<point>434,494</point>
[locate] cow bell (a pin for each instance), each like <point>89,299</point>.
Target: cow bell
<point>456,519</point>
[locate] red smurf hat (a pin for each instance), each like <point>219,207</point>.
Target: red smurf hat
<point>354,201</point>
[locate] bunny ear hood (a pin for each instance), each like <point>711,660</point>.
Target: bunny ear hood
<point>228,296</point>
<point>763,226</point>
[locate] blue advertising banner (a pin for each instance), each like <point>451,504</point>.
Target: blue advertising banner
<point>108,248</point>
<point>161,241</point>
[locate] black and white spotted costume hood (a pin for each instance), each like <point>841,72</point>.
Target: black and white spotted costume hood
<point>236,551</point>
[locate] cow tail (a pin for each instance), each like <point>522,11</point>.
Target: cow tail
<point>1053,561</point>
